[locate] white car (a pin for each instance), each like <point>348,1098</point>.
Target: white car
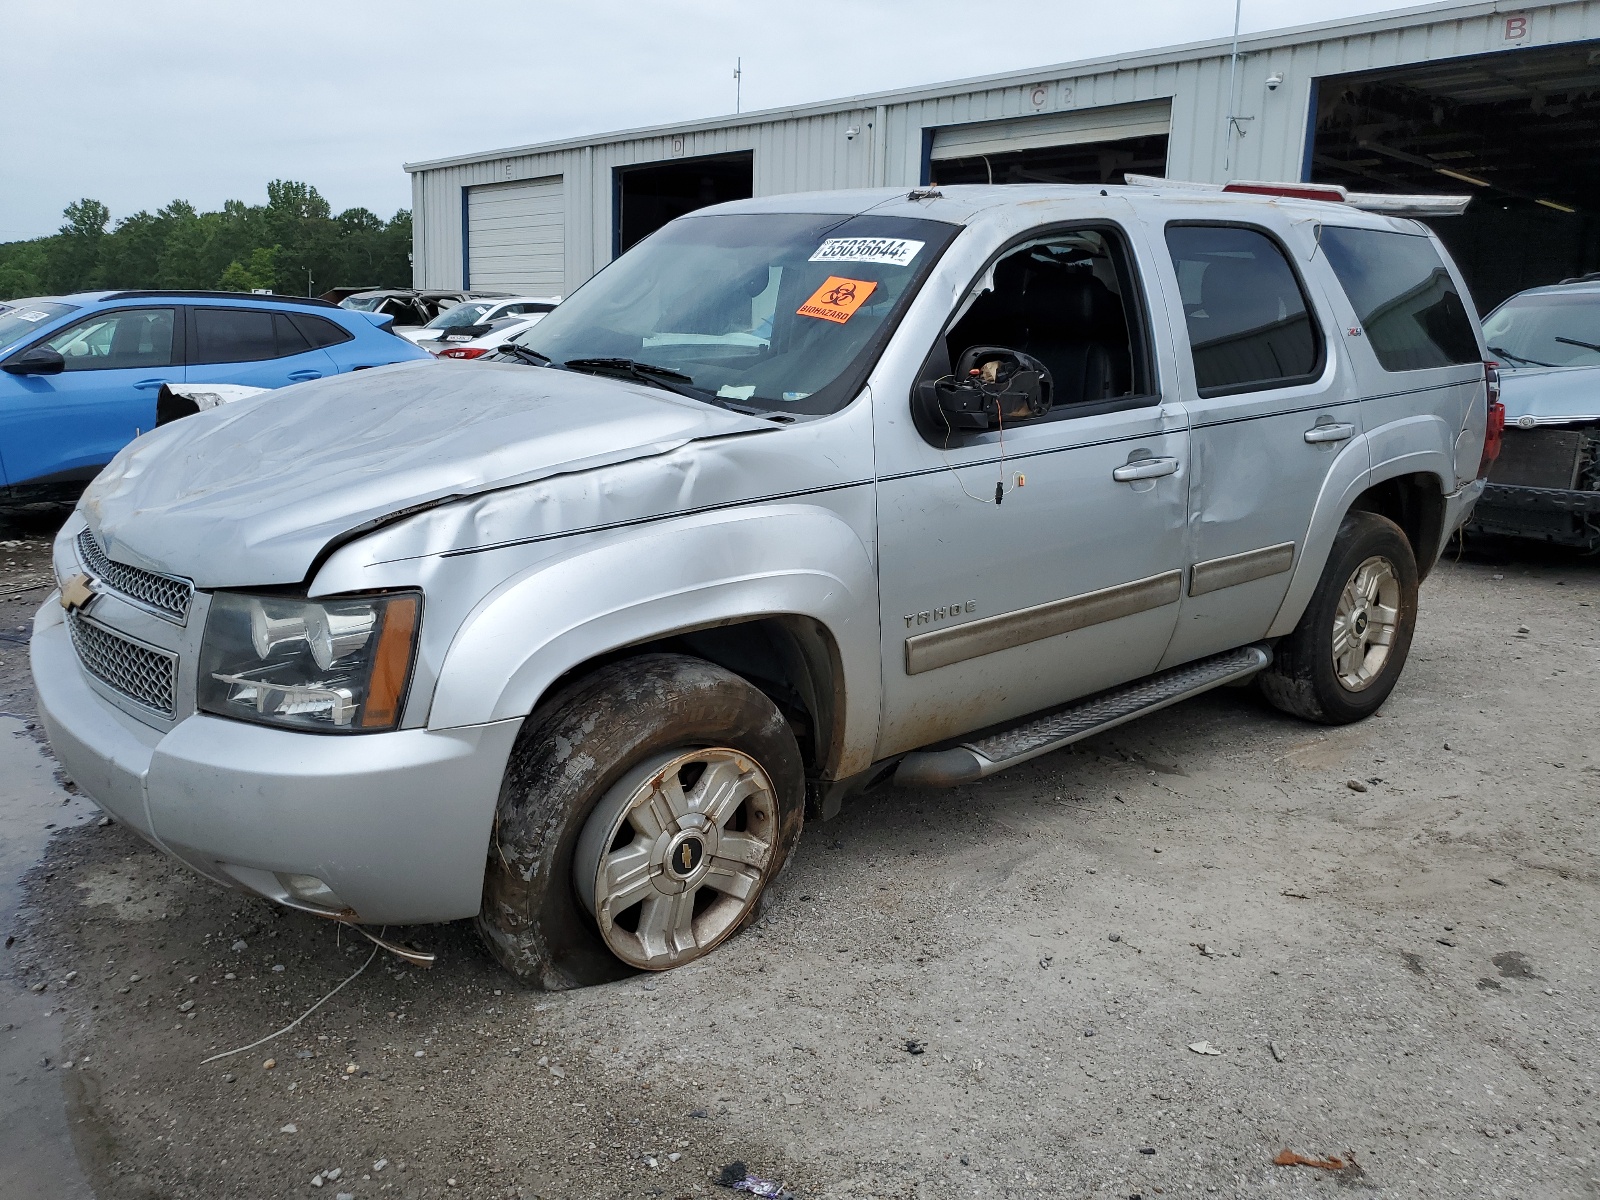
<point>471,319</point>
<point>499,333</point>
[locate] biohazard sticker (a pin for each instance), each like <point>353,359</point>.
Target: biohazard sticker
<point>837,299</point>
<point>892,252</point>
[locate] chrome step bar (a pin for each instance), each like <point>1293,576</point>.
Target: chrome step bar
<point>996,750</point>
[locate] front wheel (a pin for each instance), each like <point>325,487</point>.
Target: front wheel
<point>1346,654</point>
<point>644,812</point>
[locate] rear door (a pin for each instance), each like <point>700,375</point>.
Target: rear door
<point>1271,410</point>
<point>64,428</point>
<point>256,347</point>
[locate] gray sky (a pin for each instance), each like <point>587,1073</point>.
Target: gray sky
<point>137,104</point>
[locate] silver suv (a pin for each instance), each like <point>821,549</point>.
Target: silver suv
<point>799,495</point>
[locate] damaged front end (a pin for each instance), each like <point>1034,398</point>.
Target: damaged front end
<point>1545,484</point>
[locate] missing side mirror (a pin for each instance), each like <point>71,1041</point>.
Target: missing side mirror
<point>991,386</point>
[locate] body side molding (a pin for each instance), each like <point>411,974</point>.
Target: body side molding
<point>941,647</point>
<point>1233,569</point>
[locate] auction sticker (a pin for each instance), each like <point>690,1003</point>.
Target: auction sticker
<point>837,299</point>
<point>892,252</point>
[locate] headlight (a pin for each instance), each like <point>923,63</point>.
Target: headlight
<point>336,666</point>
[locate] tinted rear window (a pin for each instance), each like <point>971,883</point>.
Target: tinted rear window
<point>1404,297</point>
<point>224,335</point>
<point>320,331</point>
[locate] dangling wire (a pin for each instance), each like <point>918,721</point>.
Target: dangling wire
<point>1000,488</point>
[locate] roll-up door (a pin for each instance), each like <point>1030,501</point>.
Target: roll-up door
<point>1116,122</point>
<point>516,237</point>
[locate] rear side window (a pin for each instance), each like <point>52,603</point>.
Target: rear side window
<point>1405,299</point>
<point>320,331</point>
<point>1250,326</point>
<point>225,335</point>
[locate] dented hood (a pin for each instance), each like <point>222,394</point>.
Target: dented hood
<point>250,493</point>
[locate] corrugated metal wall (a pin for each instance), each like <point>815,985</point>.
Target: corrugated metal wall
<point>807,150</point>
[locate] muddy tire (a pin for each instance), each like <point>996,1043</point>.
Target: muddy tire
<point>1346,654</point>
<point>613,773</point>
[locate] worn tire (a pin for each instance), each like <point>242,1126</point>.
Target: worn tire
<point>572,749</point>
<point>1302,679</point>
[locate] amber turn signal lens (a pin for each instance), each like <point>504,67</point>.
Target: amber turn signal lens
<point>392,664</point>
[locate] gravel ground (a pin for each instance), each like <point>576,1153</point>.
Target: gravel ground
<point>1385,932</point>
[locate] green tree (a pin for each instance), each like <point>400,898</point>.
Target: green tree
<point>259,274</point>
<point>240,246</point>
<point>73,258</point>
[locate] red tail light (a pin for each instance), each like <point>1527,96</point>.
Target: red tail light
<point>464,352</point>
<point>1496,424</point>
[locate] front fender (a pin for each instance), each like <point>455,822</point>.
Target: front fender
<point>637,585</point>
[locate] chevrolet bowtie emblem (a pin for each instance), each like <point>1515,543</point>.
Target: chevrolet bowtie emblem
<point>76,592</point>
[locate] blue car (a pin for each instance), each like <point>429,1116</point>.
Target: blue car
<point>79,374</point>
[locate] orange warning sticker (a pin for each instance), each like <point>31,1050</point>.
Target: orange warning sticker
<point>837,299</point>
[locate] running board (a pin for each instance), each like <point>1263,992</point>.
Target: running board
<point>995,751</point>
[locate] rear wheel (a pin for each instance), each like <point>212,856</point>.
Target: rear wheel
<point>1346,654</point>
<point>644,812</point>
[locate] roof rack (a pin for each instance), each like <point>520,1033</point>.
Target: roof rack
<point>1420,205</point>
<point>196,294</point>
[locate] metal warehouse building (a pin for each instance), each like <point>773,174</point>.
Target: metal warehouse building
<point>1498,101</point>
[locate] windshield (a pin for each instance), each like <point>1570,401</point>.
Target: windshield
<point>363,303</point>
<point>461,314</point>
<point>26,317</point>
<point>1546,330</point>
<point>772,311</point>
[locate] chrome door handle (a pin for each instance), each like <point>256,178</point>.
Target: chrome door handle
<point>1145,468</point>
<point>1318,434</point>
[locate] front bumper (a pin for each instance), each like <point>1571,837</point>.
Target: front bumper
<point>1559,515</point>
<point>397,825</point>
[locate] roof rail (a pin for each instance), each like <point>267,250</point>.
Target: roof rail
<point>198,294</point>
<point>1419,205</point>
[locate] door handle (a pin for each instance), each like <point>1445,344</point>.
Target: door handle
<point>1318,434</point>
<point>1145,468</point>
<point>302,376</point>
<point>144,385</point>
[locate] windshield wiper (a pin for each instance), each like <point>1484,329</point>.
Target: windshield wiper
<point>661,377</point>
<point>1532,362</point>
<point>529,356</point>
<point>1576,342</point>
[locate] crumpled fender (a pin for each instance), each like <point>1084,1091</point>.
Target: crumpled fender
<point>635,585</point>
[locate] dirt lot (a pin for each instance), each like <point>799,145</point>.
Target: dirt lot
<point>1387,931</point>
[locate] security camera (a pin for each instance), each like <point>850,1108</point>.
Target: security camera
<point>850,134</point>
<point>1274,80</point>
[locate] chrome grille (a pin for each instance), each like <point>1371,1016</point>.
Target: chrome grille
<point>142,673</point>
<point>165,595</point>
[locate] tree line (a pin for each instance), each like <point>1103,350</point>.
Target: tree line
<point>292,244</point>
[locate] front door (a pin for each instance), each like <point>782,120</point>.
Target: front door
<point>65,427</point>
<point>1024,566</point>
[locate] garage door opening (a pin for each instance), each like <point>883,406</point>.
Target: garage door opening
<point>1096,162</point>
<point>648,197</point>
<point>1516,130</point>
<point>1086,145</point>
